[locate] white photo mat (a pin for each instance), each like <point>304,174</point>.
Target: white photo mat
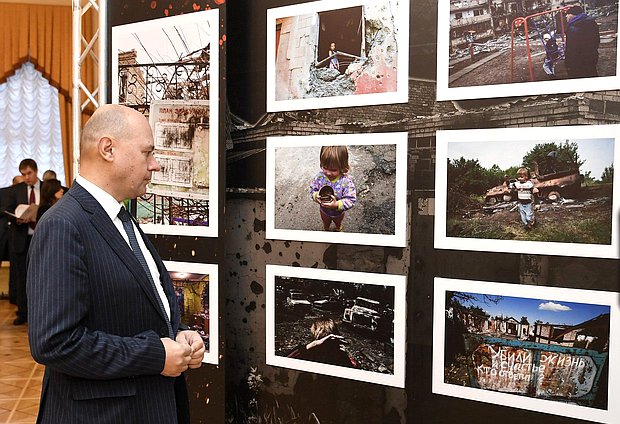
<point>445,92</point>
<point>508,136</point>
<point>211,355</point>
<point>399,282</point>
<point>398,239</point>
<point>401,21</point>
<point>200,29</point>
<point>553,294</point>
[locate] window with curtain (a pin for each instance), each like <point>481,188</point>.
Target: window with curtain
<point>30,124</point>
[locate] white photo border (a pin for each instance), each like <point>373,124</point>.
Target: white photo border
<point>445,92</point>
<point>398,239</point>
<point>212,355</point>
<point>402,92</point>
<point>611,299</point>
<point>501,135</point>
<point>212,18</point>
<point>399,282</point>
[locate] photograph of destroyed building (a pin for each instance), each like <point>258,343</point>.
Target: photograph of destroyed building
<point>354,54</point>
<point>164,71</point>
<point>549,346</point>
<point>337,323</point>
<point>377,169</point>
<point>573,196</point>
<point>196,289</point>
<point>495,48</point>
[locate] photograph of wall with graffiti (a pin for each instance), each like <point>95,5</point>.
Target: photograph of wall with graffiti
<point>533,189</point>
<point>550,347</point>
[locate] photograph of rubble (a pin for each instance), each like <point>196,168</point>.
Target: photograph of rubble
<point>166,69</point>
<point>196,286</point>
<point>547,352</point>
<point>548,190</point>
<point>341,188</point>
<point>326,54</point>
<point>339,323</point>
<point>500,48</point>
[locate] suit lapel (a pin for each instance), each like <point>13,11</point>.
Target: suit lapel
<point>104,225</point>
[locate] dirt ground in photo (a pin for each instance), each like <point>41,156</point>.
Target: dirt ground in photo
<point>373,170</point>
<point>585,219</point>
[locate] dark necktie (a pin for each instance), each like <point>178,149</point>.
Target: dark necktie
<point>133,242</point>
<point>31,201</point>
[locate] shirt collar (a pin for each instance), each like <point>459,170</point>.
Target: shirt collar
<point>105,199</point>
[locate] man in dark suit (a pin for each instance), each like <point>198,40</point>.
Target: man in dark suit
<point>21,231</point>
<point>103,317</point>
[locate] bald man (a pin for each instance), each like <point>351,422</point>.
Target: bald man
<point>103,315</point>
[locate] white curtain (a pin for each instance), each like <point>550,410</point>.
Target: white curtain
<point>29,124</point>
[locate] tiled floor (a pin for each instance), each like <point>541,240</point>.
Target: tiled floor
<point>20,375</point>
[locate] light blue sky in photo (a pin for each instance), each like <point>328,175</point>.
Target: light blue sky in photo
<point>546,310</point>
<point>597,153</point>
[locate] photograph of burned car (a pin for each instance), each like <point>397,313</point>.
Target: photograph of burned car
<point>549,346</point>
<point>333,323</point>
<point>333,54</point>
<point>551,185</point>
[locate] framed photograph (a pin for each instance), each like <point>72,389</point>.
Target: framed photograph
<point>196,287</point>
<point>490,49</point>
<point>548,190</point>
<point>168,69</point>
<point>549,351</point>
<point>322,54</point>
<point>339,323</point>
<point>341,188</point>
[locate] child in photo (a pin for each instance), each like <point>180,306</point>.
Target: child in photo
<point>552,54</point>
<point>332,188</point>
<point>525,196</point>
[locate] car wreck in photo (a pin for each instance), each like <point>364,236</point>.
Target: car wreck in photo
<point>551,186</point>
<point>365,313</point>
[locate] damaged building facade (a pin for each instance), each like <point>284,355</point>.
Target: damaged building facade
<point>486,19</point>
<point>365,38</point>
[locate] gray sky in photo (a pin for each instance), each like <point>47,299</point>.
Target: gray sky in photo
<point>166,43</point>
<point>597,153</point>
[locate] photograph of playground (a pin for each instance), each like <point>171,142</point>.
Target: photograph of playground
<point>520,48</point>
<point>321,56</point>
<point>344,324</point>
<point>549,347</point>
<point>532,193</point>
<point>195,286</point>
<point>368,200</point>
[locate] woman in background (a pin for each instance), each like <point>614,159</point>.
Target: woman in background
<point>51,192</point>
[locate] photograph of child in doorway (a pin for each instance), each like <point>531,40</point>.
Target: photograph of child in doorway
<point>332,187</point>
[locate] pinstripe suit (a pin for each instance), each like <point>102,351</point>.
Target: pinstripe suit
<point>95,322</point>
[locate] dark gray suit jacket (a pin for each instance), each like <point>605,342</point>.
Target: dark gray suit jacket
<point>94,321</point>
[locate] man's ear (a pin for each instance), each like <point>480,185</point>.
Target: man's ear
<point>104,147</point>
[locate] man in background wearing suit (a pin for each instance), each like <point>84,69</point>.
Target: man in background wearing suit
<point>21,231</point>
<point>103,316</point>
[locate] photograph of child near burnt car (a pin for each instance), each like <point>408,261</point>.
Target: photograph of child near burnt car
<point>349,325</point>
<point>548,190</point>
